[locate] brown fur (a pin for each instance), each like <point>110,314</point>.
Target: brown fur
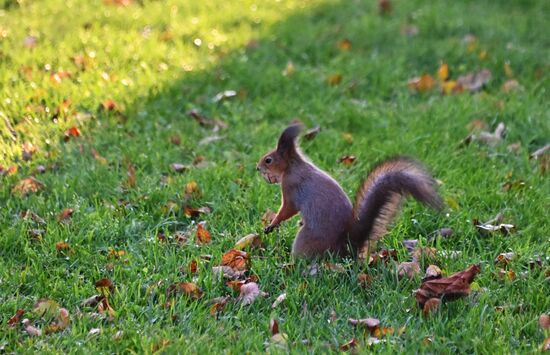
<point>329,221</point>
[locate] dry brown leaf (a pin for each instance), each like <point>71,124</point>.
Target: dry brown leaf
<point>192,189</point>
<point>312,132</point>
<point>104,286</point>
<point>15,318</point>
<point>28,151</point>
<point>421,84</point>
<point>506,274</point>
<point>249,293</point>
<point>410,244</point>
<point>227,272</point>
<point>175,139</point>
<point>432,272</point>
<point>384,255</point>
<point>179,168</point>
<point>251,240</point>
<point>364,280</point>
<point>236,259</point>
<point>385,7</point>
<point>184,288</point>
<point>504,259</point>
<point>353,342</point>
<point>203,236</point>
<point>62,321</point>
<point>130,181</point>
<point>448,288</point>
<point>31,330</point>
<point>279,300</point>
<point>344,45</point>
<point>408,269</point>
<point>347,160</point>
<point>65,214</point>
<point>71,132</point>
<point>511,85</point>
<point>540,152</point>
<point>370,323</point>
<point>334,79</point>
<point>63,246</point>
<point>267,217</point>
<point>27,186</point>
<point>544,321</point>
<point>10,170</point>
<point>474,81</point>
<point>192,267</point>
<point>546,344</point>
<point>218,304</point>
<point>92,301</point>
<point>431,306</point>
<point>274,326</point>
<point>195,212</point>
<point>424,253</point>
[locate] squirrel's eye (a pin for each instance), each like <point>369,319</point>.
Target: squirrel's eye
<point>268,160</point>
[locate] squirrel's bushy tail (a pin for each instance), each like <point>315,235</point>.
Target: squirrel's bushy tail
<point>379,197</point>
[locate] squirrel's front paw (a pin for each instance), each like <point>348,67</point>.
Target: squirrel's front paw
<point>270,228</point>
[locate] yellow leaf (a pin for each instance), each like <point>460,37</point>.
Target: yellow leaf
<point>443,72</point>
<point>421,84</point>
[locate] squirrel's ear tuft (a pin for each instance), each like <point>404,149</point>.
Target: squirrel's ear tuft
<point>287,141</point>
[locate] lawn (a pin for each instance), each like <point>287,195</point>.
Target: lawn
<point>100,98</point>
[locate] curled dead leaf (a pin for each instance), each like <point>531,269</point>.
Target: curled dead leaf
<point>30,329</point>
<point>15,318</point>
<point>408,269</point>
<point>544,321</point>
<point>27,186</point>
<point>249,293</point>
<point>189,289</point>
<point>236,259</point>
<point>312,132</point>
<point>251,240</point>
<point>349,345</point>
<point>421,84</point>
<point>370,323</point>
<point>347,160</point>
<point>65,214</point>
<point>274,326</point>
<point>203,236</point>
<point>179,168</point>
<point>218,304</point>
<point>474,81</point>
<point>432,272</point>
<point>105,286</point>
<point>505,258</point>
<point>448,288</point>
<point>279,300</point>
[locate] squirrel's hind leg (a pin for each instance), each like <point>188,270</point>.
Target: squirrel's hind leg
<point>309,245</point>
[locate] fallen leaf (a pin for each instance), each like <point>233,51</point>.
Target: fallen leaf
<point>504,259</point>
<point>62,321</point>
<point>31,330</point>
<point>175,139</point>
<point>109,105</point>
<point>511,85</point>
<point>236,259</point>
<point>364,280</point>
<point>46,308</point>
<point>544,321</point>
<point>385,6</point>
<point>251,240</point>
<point>334,79</point>
<point>312,132</point>
<point>504,228</point>
<point>443,72</point>
<point>202,235</point>
<point>249,293</point>
<point>267,217</point>
<point>289,69</point>
<point>421,84</point>
<point>344,45</point>
<point>370,323</point>
<point>408,269</point>
<point>192,267</point>
<point>446,232</point>
<point>179,168</point>
<point>353,342</point>
<point>184,288</point>
<point>192,189</point>
<point>58,76</point>
<point>274,326</point>
<point>432,272</point>
<point>65,214</point>
<point>218,304</point>
<point>384,255</point>
<point>546,344</point>
<point>27,186</point>
<point>509,275</point>
<point>424,253</point>
<point>63,246</point>
<point>104,286</point>
<point>71,132</point>
<point>347,160</point>
<point>540,152</point>
<point>94,331</point>
<point>279,300</point>
<point>28,151</point>
<point>410,244</point>
<point>227,272</point>
<point>98,157</point>
<point>431,306</point>
<point>514,147</point>
<point>130,181</point>
<point>474,81</point>
<point>227,94</point>
<point>195,212</point>
<point>448,288</point>
<point>10,170</point>
<point>16,317</point>
<point>92,301</point>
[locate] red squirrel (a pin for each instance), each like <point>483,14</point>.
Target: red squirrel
<point>330,223</point>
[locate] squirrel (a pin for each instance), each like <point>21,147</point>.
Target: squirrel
<point>330,223</point>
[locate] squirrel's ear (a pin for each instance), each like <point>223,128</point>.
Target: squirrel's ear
<point>287,140</point>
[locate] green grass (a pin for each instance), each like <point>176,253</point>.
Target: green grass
<point>156,74</point>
